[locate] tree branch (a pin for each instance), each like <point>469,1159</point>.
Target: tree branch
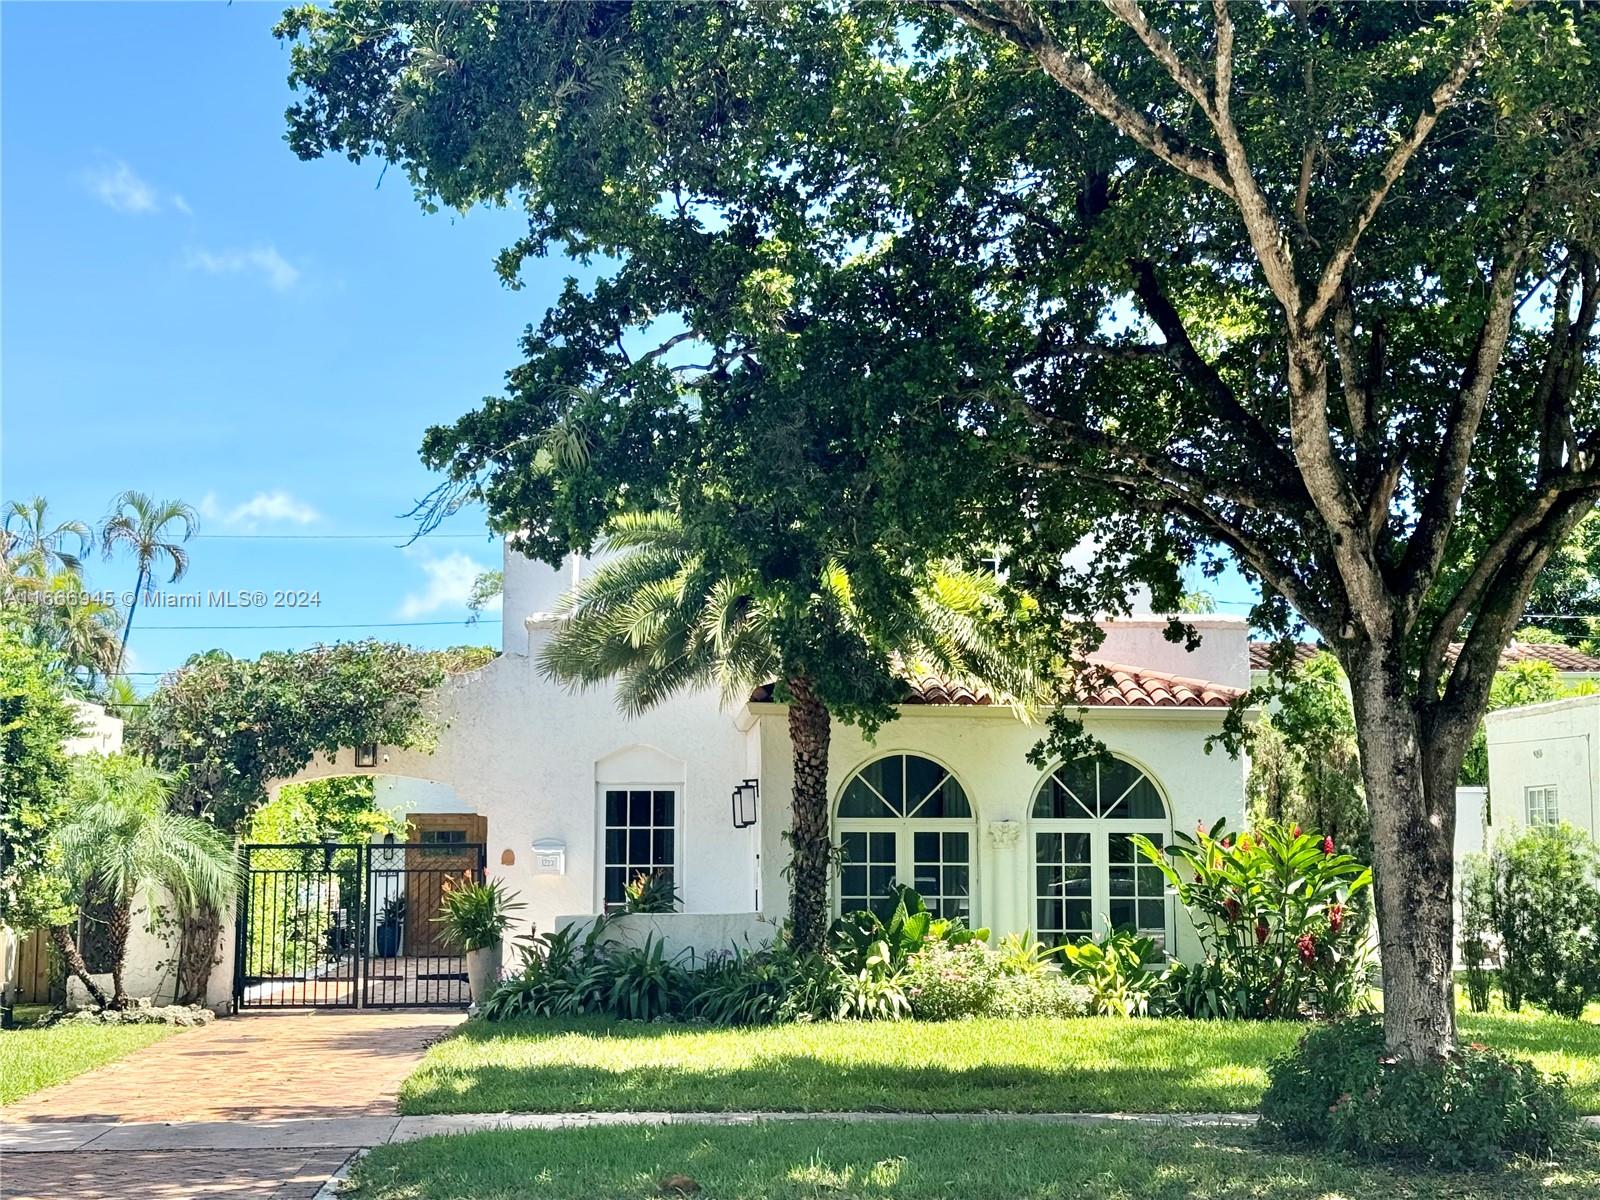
<point>1016,22</point>
<point>1442,98</point>
<point>1438,506</point>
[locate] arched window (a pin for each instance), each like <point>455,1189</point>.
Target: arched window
<point>905,819</point>
<point>1087,871</point>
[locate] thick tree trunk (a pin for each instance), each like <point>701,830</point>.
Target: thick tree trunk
<point>1413,834</point>
<point>197,954</point>
<point>809,837</point>
<point>118,921</point>
<point>67,946</point>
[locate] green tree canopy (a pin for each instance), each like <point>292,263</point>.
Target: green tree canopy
<point>35,719</point>
<point>229,726</point>
<point>1230,280</point>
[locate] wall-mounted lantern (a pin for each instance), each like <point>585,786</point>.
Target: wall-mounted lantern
<point>367,755</point>
<point>745,798</point>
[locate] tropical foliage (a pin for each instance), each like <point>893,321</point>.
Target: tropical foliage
<point>475,914</point>
<point>119,842</point>
<point>1305,767</point>
<point>1275,911</point>
<point>35,720</point>
<point>153,531</point>
<point>231,725</point>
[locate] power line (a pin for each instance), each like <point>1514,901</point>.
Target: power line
<point>332,537</point>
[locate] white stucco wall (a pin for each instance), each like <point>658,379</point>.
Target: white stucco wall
<point>531,756</point>
<point>150,963</point>
<point>1540,745</point>
<point>986,750</point>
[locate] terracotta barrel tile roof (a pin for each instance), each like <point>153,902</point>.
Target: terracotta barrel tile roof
<point>1562,658</point>
<point>1112,685</point>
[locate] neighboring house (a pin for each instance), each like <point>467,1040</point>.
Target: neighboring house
<point>572,798</point>
<point>1573,666</point>
<point>1544,764</point>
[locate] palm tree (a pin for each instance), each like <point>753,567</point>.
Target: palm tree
<point>144,525</point>
<point>659,619</point>
<point>119,841</point>
<point>31,545</point>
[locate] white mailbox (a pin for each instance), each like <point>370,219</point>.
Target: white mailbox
<point>549,857</point>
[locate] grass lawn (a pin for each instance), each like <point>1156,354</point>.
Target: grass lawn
<point>31,1059</point>
<point>921,1160</point>
<point>1084,1065</point>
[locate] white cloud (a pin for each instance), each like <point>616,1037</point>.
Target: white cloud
<point>449,584</point>
<point>118,186</point>
<point>277,272</point>
<point>264,508</point>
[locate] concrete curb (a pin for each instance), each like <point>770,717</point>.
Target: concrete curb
<point>360,1133</point>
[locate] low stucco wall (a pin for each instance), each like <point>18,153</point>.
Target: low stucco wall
<point>695,934</point>
<point>150,966</point>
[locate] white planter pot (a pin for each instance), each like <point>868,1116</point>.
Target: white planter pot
<point>483,971</point>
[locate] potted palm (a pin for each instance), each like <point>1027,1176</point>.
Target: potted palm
<point>474,917</point>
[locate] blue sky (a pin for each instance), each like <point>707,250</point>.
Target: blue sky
<point>191,311</point>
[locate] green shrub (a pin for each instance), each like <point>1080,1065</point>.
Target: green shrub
<point>1477,939</point>
<point>1048,993</point>
<point>1545,909</point>
<point>944,982</point>
<point>644,983</point>
<point>1338,1088</point>
<point>1116,972</point>
<point>1275,912</point>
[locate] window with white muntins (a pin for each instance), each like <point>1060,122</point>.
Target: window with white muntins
<point>1087,872</point>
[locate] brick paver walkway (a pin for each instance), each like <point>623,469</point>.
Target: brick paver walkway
<point>169,1175</point>
<point>247,1069</point>
<point>301,1064</point>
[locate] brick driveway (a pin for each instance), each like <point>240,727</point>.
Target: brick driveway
<point>246,1069</point>
<point>169,1175</point>
<point>301,1064</point>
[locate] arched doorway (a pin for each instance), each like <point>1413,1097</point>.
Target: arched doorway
<point>905,819</point>
<point>1087,872</point>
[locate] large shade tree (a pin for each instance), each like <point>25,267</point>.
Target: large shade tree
<point>1312,286</point>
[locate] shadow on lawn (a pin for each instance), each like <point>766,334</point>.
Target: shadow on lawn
<point>1155,1068</point>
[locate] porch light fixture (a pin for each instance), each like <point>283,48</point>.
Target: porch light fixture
<point>745,797</point>
<point>367,755</point>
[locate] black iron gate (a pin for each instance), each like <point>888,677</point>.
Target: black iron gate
<point>350,925</point>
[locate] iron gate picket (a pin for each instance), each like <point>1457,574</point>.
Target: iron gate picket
<point>349,925</point>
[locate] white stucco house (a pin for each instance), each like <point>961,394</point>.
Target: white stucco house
<point>572,798</point>
<point>1544,764</point>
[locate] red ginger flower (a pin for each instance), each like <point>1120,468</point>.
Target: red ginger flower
<point>1294,830</point>
<point>1335,917</point>
<point>1231,907</point>
<point>1308,947</point>
<point>1261,932</point>
<point>1327,845</point>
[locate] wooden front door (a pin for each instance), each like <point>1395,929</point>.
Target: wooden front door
<point>445,846</point>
